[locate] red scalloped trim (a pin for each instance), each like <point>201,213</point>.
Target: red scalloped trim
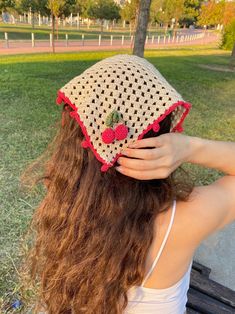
<point>87,143</point>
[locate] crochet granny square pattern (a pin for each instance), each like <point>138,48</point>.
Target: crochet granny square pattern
<point>119,99</point>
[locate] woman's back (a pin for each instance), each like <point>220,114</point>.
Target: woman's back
<point>172,298</point>
<point>176,254</point>
<point>177,234</point>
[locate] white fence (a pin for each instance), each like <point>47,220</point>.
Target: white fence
<point>112,40</point>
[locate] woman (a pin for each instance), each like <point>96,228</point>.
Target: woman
<point>121,239</point>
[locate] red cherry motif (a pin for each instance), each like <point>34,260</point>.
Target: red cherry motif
<point>111,133</point>
<point>108,136</point>
<point>121,132</point>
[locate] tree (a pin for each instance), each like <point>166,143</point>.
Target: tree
<point>67,8</point>
<point>35,6</point>
<point>167,11</point>
<point>6,4</point>
<point>233,57</point>
<point>191,12</point>
<point>56,8</point>
<point>228,40</point>
<point>141,29</point>
<point>173,10</point>
<point>229,13</point>
<point>103,10</point>
<point>155,10</point>
<point>29,5</point>
<point>157,14</point>
<point>129,12</point>
<point>211,13</point>
<point>81,7</point>
<point>215,13</point>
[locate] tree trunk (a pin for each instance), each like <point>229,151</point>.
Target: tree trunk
<point>141,29</point>
<point>175,27</point>
<point>33,20</point>
<point>53,32</point>
<point>57,27</point>
<point>102,25</point>
<point>78,20</point>
<point>233,52</point>
<point>232,61</point>
<point>166,28</point>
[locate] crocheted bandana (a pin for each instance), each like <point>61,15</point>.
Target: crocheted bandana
<point>118,100</point>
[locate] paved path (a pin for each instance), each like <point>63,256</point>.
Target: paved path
<point>24,47</point>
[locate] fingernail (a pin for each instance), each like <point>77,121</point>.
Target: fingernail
<point>124,152</point>
<point>118,168</point>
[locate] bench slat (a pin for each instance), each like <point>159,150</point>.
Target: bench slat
<point>205,304</point>
<point>212,288</point>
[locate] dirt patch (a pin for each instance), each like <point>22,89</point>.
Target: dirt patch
<point>220,68</point>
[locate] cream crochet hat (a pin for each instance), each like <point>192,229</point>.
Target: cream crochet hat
<point>118,100</point>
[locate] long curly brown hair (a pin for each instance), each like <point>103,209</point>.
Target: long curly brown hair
<point>94,229</point>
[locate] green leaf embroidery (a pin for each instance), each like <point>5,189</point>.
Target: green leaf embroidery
<point>116,117</point>
<point>112,118</point>
<point>109,120</point>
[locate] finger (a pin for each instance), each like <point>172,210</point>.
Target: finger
<point>161,173</point>
<point>147,142</point>
<point>140,164</point>
<point>154,153</point>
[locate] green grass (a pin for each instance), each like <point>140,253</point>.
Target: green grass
<point>28,90</point>
<point>23,32</point>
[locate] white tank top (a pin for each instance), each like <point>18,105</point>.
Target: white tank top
<point>171,300</point>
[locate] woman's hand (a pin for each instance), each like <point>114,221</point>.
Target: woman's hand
<point>169,151</point>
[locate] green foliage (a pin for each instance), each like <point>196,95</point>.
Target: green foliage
<point>45,7</point>
<point>129,11</point>
<point>26,5</point>
<point>68,7</point>
<point>191,11</point>
<point>163,11</point>
<point>104,9</point>
<point>212,13</point>
<point>155,9</point>
<point>56,7</point>
<point>81,7</point>
<point>228,39</point>
<point>6,4</point>
<point>34,5</point>
<point>173,9</point>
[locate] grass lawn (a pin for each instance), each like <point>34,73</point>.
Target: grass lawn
<point>23,32</point>
<point>28,90</point>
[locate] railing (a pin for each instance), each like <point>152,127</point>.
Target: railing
<point>123,40</point>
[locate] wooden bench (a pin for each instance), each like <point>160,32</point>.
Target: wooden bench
<point>206,295</point>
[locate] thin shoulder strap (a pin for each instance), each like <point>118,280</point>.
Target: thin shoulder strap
<point>163,243</point>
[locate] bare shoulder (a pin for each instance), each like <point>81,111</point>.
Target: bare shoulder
<point>208,209</point>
